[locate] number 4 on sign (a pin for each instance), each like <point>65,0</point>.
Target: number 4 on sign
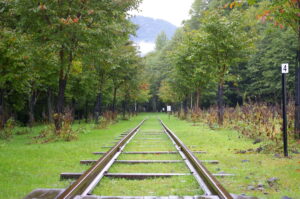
<point>285,68</point>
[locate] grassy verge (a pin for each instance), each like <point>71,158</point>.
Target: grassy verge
<point>252,169</point>
<point>25,166</point>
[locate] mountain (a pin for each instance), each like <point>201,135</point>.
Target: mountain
<point>149,28</point>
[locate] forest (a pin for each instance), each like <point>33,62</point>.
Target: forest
<point>223,67</point>
<point>69,61</point>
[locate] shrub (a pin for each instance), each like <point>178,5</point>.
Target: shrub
<point>23,131</point>
<point>7,132</point>
<point>106,119</point>
<point>66,133</point>
<point>256,120</point>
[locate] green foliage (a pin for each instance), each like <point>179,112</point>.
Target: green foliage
<point>23,131</point>
<point>66,133</point>
<point>252,120</point>
<point>7,132</point>
<point>66,50</point>
<point>106,119</point>
<point>161,41</point>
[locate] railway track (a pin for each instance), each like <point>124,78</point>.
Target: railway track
<point>86,183</point>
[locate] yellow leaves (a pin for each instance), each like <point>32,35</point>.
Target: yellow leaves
<point>233,4</point>
<point>77,67</point>
<point>42,7</point>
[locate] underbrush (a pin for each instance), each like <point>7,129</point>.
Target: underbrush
<point>66,133</point>
<point>7,132</point>
<point>106,119</point>
<point>257,121</point>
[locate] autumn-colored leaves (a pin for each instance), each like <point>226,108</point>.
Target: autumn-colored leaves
<point>69,20</point>
<point>42,7</point>
<point>233,4</point>
<point>278,12</point>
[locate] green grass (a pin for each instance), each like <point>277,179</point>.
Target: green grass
<point>24,166</point>
<point>149,168</point>
<point>223,144</point>
<point>149,157</point>
<point>184,185</point>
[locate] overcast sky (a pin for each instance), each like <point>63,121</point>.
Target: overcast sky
<point>173,11</point>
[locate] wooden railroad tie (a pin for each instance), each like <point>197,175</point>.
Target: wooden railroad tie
<point>148,161</point>
<point>151,152</point>
<point>152,197</point>
<point>152,139</point>
<point>139,176</point>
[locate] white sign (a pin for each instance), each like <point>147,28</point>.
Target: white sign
<point>285,68</point>
<point>169,108</point>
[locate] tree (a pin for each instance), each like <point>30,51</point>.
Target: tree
<point>14,74</point>
<point>286,12</point>
<point>66,25</point>
<point>161,41</point>
<point>225,44</point>
<point>189,61</point>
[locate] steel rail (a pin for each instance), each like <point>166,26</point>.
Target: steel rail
<point>79,187</point>
<point>211,182</point>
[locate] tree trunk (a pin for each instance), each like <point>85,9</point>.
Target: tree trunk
<point>185,106</point>
<point>60,104</point>
<point>220,103</point>
<point>31,105</point>
<point>49,104</point>
<point>73,109</point>
<point>86,112</point>
<point>98,107</point>
<point>198,94</point>
<point>124,104</point>
<point>192,95</point>
<point>1,109</point>
<point>154,104</point>
<point>62,82</point>
<point>297,92</point>
<point>114,100</point>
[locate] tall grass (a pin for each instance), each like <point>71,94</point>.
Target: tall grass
<point>255,120</point>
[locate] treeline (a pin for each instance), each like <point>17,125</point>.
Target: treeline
<point>68,56</point>
<point>229,53</point>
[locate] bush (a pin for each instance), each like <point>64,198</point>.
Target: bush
<point>23,131</point>
<point>7,132</point>
<point>106,119</point>
<point>257,120</point>
<point>66,133</point>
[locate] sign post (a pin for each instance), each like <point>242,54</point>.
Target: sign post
<point>169,109</point>
<point>284,71</point>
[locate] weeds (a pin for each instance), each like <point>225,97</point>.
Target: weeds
<point>66,133</point>
<point>106,119</point>
<point>7,132</point>
<point>23,131</point>
<point>252,120</point>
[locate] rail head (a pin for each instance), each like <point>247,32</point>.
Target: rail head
<point>213,184</point>
<point>78,187</point>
